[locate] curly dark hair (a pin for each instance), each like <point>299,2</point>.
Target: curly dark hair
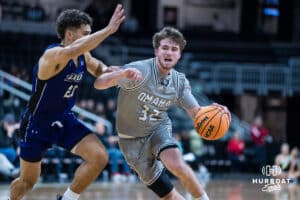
<point>169,32</point>
<point>71,18</point>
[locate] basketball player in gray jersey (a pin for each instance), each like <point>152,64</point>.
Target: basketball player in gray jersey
<point>142,121</point>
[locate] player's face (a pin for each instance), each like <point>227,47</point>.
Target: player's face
<point>168,53</point>
<point>84,30</point>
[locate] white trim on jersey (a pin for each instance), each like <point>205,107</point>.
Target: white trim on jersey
<point>41,96</point>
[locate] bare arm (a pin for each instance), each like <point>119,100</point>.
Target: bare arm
<point>54,59</point>
<point>97,67</point>
<point>111,79</point>
<point>193,111</point>
<point>94,66</point>
<point>89,42</point>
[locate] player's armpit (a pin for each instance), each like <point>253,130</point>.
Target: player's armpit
<point>50,64</point>
<point>94,66</point>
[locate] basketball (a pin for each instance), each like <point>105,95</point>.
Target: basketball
<point>211,122</point>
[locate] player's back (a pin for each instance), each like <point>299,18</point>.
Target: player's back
<point>56,95</point>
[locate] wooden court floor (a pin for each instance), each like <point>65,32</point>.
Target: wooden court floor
<point>217,190</point>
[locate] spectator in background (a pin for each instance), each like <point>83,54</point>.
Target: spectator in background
<point>34,12</point>
<point>283,160</point>
<point>8,138</point>
<point>8,146</point>
<point>170,16</point>
<point>289,164</point>
<point>111,111</point>
<point>90,105</point>
<point>235,149</point>
<point>294,170</point>
<point>100,110</point>
<point>196,146</point>
<point>259,136</point>
<point>7,168</point>
<point>116,158</point>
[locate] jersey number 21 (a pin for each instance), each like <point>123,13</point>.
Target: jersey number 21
<point>71,90</point>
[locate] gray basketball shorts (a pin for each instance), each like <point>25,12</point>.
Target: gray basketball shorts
<point>142,153</point>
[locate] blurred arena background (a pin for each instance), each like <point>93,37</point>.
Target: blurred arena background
<point>244,54</point>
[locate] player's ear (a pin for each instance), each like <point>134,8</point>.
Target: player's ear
<point>69,34</point>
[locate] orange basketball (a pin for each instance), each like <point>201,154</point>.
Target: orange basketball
<point>211,122</point>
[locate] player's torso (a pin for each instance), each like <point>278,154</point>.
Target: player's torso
<point>144,109</point>
<point>57,94</point>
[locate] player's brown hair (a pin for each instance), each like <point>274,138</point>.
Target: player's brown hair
<point>71,18</point>
<point>169,32</point>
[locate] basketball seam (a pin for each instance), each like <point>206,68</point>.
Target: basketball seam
<point>220,122</point>
<point>206,112</point>
<point>227,122</point>
<point>208,122</point>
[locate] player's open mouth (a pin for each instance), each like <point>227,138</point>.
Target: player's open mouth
<point>168,60</point>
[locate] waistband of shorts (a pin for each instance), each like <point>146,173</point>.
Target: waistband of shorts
<point>124,136</point>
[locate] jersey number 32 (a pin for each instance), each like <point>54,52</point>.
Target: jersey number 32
<point>148,113</point>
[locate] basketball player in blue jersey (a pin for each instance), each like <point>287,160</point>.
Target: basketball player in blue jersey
<point>143,124</point>
<point>48,119</point>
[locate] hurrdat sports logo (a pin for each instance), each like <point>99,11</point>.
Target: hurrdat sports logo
<point>269,181</point>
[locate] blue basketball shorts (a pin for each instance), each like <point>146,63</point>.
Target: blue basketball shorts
<point>39,133</point>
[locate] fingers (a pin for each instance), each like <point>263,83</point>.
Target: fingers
<point>136,75</point>
<point>117,18</point>
<point>118,8</point>
<point>120,13</point>
<point>114,68</point>
<point>224,108</point>
<point>133,74</point>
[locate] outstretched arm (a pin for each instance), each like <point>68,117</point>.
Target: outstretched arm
<point>54,59</point>
<point>97,67</point>
<point>111,79</point>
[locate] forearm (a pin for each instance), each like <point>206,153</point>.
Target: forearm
<point>100,69</point>
<point>108,80</point>
<point>89,42</point>
<point>193,111</point>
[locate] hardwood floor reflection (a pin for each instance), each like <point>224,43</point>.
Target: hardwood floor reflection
<point>217,190</point>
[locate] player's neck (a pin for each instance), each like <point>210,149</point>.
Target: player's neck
<point>65,42</point>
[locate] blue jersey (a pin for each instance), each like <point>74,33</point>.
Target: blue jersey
<point>49,119</point>
<point>56,95</point>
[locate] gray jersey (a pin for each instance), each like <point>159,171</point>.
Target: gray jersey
<point>143,105</point>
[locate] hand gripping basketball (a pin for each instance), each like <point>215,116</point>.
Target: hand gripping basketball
<point>212,122</point>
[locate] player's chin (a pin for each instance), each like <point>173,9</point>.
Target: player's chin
<point>168,66</point>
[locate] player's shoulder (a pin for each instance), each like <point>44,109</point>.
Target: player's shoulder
<point>53,46</point>
<point>178,75</point>
<point>141,63</point>
<point>50,49</point>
